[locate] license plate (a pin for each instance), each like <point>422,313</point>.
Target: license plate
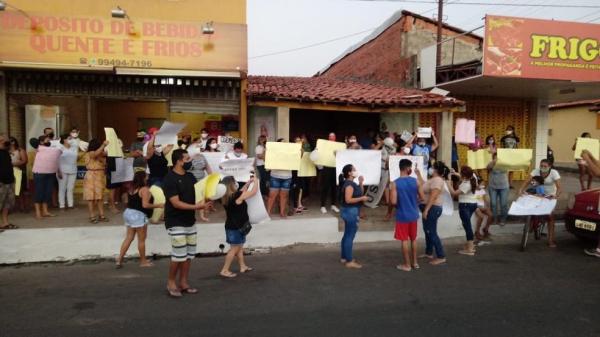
<point>588,226</point>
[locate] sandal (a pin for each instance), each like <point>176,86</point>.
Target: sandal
<point>175,293</point>
<point>9,226</point>
<point>416,266</point>
<point>247,270</point>
<point>93,219</point>
<point>403,268</point>
<point>189,291</point>
<point>103,218</point>
<point>228,275</point>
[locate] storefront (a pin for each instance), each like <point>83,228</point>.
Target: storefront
<point>92,65</point>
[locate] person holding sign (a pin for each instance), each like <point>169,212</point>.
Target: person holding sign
<point>405,195</point>
<point>431,210</point>
<point>94,180</point>
<point>352,199</point>
<point>7,184</point>
<point>328,185</point>
<point>498,190</point>
<point>467,205</point>
<point>237,223</point>
<point>583,167</point>
<point>157,161</point>
<point>552,190</point>
<point>280,184</point>
<point>45,167</point>
<point>420,147</point>
<point>67,173</point>
<point>260,164</point>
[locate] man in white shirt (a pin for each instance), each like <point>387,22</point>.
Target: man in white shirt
<point>237,152</point>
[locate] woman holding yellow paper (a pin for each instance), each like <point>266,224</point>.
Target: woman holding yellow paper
<point>95,179</point>
<point>583,167</point>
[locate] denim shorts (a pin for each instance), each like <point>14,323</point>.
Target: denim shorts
<point>280,184</point>
<point>234,237</point>
<point>134,218</point>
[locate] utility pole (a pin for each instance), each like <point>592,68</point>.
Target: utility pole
<point>440,18</point>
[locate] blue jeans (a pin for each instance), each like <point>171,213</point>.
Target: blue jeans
<point>350,217</point>
<point>465,211</point>
<point>432,240</point>
<point>501,194</point>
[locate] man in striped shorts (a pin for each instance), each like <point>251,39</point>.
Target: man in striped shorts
<point>180,219</point>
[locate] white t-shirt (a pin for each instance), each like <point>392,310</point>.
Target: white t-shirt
<point>467,196</point>
<point>549,181</point>
<point>68,160</point>
<point>259,150</point>
<point>231,155</point>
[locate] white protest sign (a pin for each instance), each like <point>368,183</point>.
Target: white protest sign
<point>424,132</point>
<point>123,171</point>
<point>194,150</point>
<point>226,143</point>
<point>214,160</point>
<point>239,169</point>
<point>447,201</point>
<point>417,164</point>
<point>406,136</point>
<point>375,192</point>
<point>366,162</point>
<point>168,133</point>
<point>257,212</point>
<point>532,205</point>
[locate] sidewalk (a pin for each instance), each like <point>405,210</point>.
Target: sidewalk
<point>69,236</point>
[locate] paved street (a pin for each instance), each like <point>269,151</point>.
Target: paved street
<point>303,291</point>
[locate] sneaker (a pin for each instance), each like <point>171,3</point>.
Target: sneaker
<point>592,252</point>
<point>335,209</point>
<point>323,210</point>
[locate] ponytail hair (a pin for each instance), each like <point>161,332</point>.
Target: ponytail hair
<point>467,173</point>
<point>441,168</point>
<point>341,178</point>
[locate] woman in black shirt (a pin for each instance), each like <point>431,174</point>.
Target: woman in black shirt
<point>236,210</point>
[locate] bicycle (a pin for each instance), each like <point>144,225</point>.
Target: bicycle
<point>535,224</point>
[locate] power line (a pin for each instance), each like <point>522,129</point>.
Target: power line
<point>496,4</point>
<point>587,15</point>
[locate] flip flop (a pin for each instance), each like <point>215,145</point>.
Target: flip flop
<point>230,275</point>
<point>190,291</point>
<point>416,266</point>
<point>247,270</point>
<point>174,293</point>
<point>403,268</point>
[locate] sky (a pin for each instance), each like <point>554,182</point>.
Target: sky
<point>280,25</point>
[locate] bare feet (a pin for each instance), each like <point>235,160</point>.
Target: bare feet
<point>48,215</point>
<point>246,269</point>
<point>353,265</point>
<point>205,219</point>
<point>227,274</point>
<point>146,264</point>
<point>437,261</point>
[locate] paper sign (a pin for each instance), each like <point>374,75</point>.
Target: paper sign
<point>532,205</point>
<point>239,169</point>
<point>464,132</point>
<point>194,150</point>
<point>590,144</point>
<point>514,159</point>
<point>406,136</point>
<point>326,152</point>
<point>375,192</point>
<point>257,213</point>
<point>307,167</point>
<point>114,144</point>
<point>214,160</point>
<point>417,162</point>
<point>366,162</point>
<point>424,132</point>
<point>18,173</point>
<point>168,133</point>
<point>478,160</point>
<point>283,156</point>
<point>123,171</point>
<point>159,198</point>
<point>226,143</point>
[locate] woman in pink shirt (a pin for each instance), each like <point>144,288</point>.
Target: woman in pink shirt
<point>45,166</point>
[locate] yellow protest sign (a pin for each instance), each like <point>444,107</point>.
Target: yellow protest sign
<point>114,144</point>
<point>18,173</point>
<point>283,156</point>
<point>326,152</point>
<point>478,160</point>
<point>159,198</point>
<point>590,144</point>
<point>514,159</point>
<point>307,167</point>
<point>200,189</point>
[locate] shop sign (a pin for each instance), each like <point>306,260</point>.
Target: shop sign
<point>543,49</point>
<point>138,43</point>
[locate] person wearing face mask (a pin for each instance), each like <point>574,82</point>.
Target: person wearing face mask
<point>260,164</point>
<point>510,140</point>
<point>419,147</point>
<point>498,190</point>
<point>237,152</point>
<point>280,185</point>
<point>45,167</point>
<point>137,150</point>
<point>67,173</point>
<point>49,132</point>
<point>431,209</point>
<point>352,143</point>
<point>7,184</point>
<point>388,149</point>
<point>75,141</point>
<point>552,188</point>
<point>328,185</point>
<point>19,159</point>
<point>490,144</point>
<point>157,163</point>
<point>352,198</point>
<point>185,141</point>
<point>203,138</point>
<point>94,180</point>
<point>211,145</point>
<point>467,205</point>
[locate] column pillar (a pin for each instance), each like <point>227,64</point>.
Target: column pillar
<point>541,132</point>
<point>244,112</point>
<point>283,123</point>
<point>446,131</point>
<point>3,105</point>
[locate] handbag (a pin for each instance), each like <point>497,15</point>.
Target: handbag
<point>246,228</point>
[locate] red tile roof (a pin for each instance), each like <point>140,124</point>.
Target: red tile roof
<point>336,91</point>
<point>573,104</point>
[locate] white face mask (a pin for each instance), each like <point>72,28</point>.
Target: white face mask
<point>509,132</point>
<point>406,150</point>
<point>213,146</point>
<point>352,140</point>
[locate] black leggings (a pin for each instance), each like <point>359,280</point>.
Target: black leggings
<point>328,185</point>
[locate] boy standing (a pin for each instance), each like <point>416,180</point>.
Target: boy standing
<point>405,193</point>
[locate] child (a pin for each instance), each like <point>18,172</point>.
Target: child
<point>483,211</point>
<point>536,187</point>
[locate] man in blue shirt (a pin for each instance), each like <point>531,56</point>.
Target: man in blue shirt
<point>405,193</point>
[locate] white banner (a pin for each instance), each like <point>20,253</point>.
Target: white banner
<point>256,208</point>
<point>123,171</point>
<point>532,205</point>
<point>417,162</point>
<point>239,169</point>
<point>168,133</point>
<point>375,192</point>
<point>366,162</point>
<point>214,160</point>
<point>226,143</point>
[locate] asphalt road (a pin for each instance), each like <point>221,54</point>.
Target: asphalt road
<point>304,291</point>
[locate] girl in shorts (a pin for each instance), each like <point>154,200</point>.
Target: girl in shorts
<point>482,212</point>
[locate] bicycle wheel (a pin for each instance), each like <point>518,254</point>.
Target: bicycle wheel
<point>526,228</point>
